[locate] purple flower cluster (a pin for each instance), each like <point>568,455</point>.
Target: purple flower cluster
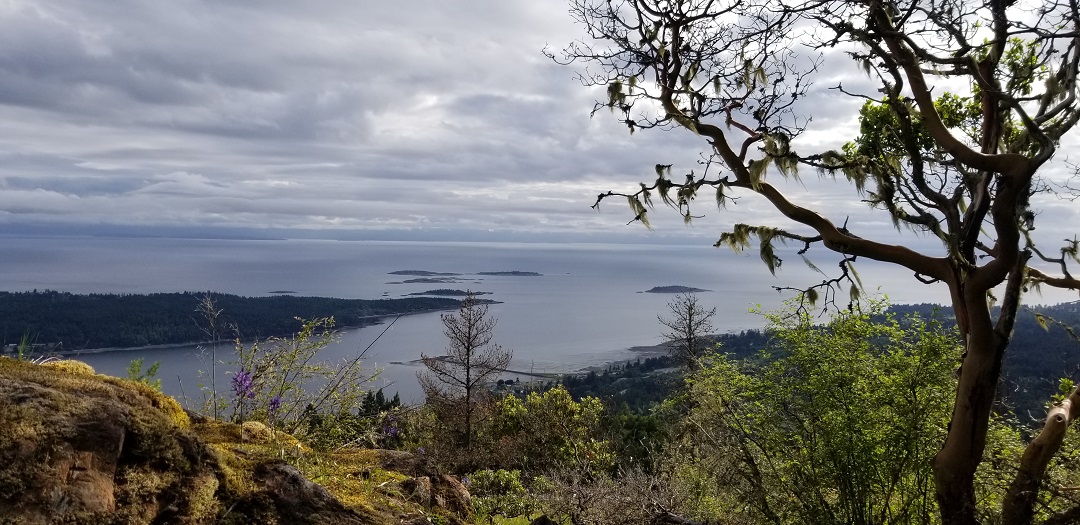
<point>243,384</point>
<point>390,429</point>
<point>275,405</point>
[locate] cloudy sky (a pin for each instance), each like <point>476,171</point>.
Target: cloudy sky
<point>409,119</point>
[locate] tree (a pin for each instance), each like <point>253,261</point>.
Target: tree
<point>957,166</point>
<point>687,327</point>
<point>549,433</point>
<point>457,381</point>
<point>838,424</point>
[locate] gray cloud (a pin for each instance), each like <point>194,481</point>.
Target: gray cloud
<point>420,115</point>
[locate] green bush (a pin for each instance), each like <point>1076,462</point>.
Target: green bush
<point>549,431</point>
<point>833,424</point>
<point>500,493</point>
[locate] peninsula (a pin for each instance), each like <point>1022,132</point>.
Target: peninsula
<point>70,322</point>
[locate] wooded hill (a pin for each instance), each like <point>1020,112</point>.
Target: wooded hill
<point>79,322</point>
<point>1037,359</point>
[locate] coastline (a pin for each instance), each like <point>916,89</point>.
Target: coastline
<point>377,320</point>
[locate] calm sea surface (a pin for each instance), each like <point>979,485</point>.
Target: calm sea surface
<point>585,310</point>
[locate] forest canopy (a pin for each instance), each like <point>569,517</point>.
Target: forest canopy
<point>79,322</point>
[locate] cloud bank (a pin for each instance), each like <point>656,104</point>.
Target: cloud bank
<point>332,117</point>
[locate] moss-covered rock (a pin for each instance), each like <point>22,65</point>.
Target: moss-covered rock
<point>81,448</point>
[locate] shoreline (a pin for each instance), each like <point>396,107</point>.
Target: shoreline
<point>378,320</point>
<point>647,350</point>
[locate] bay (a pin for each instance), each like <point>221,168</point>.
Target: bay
<point>585,309</point>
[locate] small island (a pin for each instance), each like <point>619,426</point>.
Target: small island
<point>449,292</point>
<point>429,280</point>
<point>675,289</point>
<point>512,274</point>
<point>423,273</point>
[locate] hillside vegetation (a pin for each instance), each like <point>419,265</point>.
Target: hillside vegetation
<point>809,420</point>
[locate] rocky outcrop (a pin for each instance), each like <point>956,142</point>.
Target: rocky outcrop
<point>285,496</point>
<point>406,463</point>
<point>79,448</point>
<point>82,448</point>
<point>443,492</point>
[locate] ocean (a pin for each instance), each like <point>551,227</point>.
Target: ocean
<point>586,309</point>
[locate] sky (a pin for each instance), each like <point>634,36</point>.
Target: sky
<point>423,119</point>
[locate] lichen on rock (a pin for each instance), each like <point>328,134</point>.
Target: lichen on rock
<point>81,448</point>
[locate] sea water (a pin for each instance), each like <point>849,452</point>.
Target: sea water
<point>587,308</point>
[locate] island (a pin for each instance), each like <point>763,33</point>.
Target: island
<point>449,292</point>
<point>429,280</point>
<point>423,273</point>
<point>675,289</point>
<point>512,274</point>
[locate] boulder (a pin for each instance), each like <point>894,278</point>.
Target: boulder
<point>297,500</point>
<point>406,463</point>
<point>450,494</point>
<point>82,448</point>
<point>85,449</point>
<point>418,490</point>
<point>443,493</point>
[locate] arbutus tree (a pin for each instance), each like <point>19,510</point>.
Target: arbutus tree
<point>959,164</point>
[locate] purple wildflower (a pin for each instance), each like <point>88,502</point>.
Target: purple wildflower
<point>243,384</point>
<point>275,404</point>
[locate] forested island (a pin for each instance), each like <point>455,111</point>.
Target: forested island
<point>675,289</point>
<point>449,292</point>
<point>72,322</point>
<point>423,273</point>
<point>426,273</point>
